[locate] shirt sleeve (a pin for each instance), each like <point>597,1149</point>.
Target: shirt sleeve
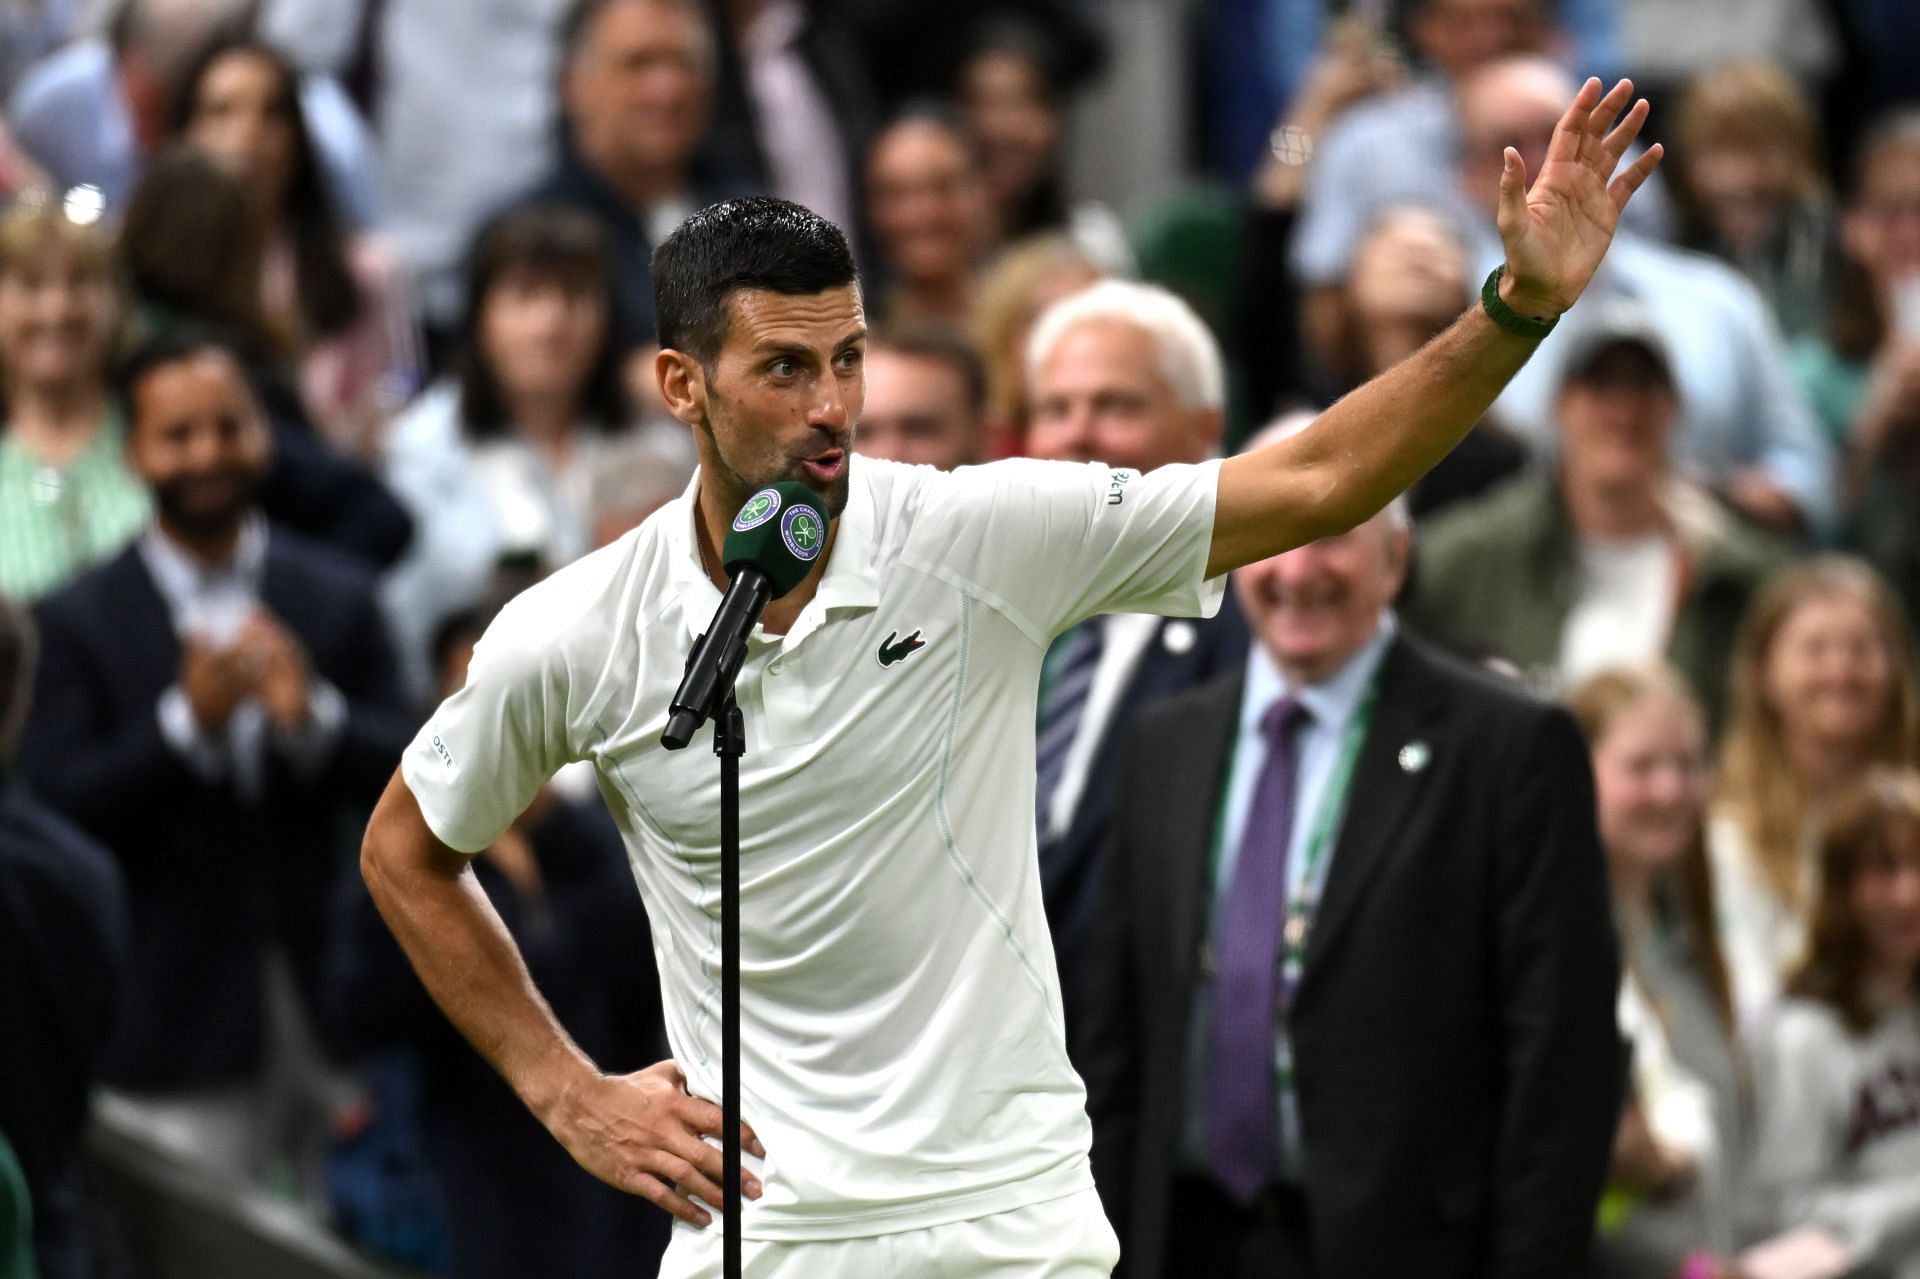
<point>1052,543</point>
<point>479,759</point>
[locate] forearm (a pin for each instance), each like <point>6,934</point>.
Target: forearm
<point>1367,448</point>
<point>464,956</point>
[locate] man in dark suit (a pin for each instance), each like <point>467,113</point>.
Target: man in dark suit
<point>1128,375</point>
<point>212,704</point>
<point>636,89</point>
<point>1353,1013</point>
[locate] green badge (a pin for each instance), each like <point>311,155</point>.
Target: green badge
<point>760,508</point>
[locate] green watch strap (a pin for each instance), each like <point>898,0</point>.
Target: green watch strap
<point>1505,316</point>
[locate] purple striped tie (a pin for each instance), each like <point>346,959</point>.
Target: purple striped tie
<point>1060,718</point>
<point>1243,1115</point>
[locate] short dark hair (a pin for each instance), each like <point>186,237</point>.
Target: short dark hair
<point>557,243</point>
<point>760,242</point>
<point>172,345</point>
<point>943,345</point>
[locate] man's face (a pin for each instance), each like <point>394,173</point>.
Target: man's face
<point>1100,396</point>
<point>197,439</point>
<point>1313,607</point>
<point>639,90</point>
<point>1615,421</point>
<point>1513,105</point>
<point>918,410</point>
<point>781,398</point>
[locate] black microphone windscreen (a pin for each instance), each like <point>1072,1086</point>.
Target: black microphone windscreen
<point>781,531</point>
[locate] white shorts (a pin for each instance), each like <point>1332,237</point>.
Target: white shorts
<point>1066,1238</point>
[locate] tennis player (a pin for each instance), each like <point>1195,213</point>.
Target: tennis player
<point>905,1081</point>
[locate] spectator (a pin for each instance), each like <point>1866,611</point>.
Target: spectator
<point>1838,1150</point>
<point>926,400</point>
<point>636,475</point>
<point>914,50</point>
<point>636,82</point>
<point>928,208</point>
<point>1022,282</point>
<point>1397,147</point>
<point>191,248</point>
<point>517,1203</point>
<point>95,111</point>
<point>1253,1105</point>
<point>1863,375</point>
<point>1822,688</point>
<point>1749,187</point>
<point>334,298</point>
<point>795,106</point>
<point>431,72</point>
<point>1408,283</point>
<point>1011,101</point>
<point>1743,427</point>
<point>498,460</point>
<point>213,704</point>
<point>1354,62</point>
<point>66,497</point>
<point>63,937</point>
<point>1676,1155</point>
<point>1608,557</point>
<point>1125,374</point>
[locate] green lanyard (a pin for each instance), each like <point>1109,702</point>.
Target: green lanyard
<point>1302,903</point>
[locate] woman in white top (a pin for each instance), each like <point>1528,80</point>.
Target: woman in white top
<point>1836,1172</point>
<point>1822,689</point>
<point>498,462</point>
<point>1671,1191</point>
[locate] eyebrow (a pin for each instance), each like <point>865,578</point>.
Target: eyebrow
<point>774,346</point>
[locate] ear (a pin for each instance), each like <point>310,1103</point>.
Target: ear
<point>1208,426</point>
<point>683,385</point>
<point>1399,551</point>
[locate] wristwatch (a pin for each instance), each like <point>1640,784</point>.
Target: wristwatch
<point>1505,316</point>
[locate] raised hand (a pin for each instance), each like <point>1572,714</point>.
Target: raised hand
<point>1556,231</point>
<point>645,1133</point>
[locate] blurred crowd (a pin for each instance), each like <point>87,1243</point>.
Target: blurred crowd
<point>325,326</point>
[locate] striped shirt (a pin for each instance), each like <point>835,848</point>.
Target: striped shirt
<point>57,521</point>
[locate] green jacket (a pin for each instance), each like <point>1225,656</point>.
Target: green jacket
<point>1497,577</point>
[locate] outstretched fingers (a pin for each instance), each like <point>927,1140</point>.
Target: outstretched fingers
<point>1616,143</point>
<point>1574,122</point>
<point>1622,188</point>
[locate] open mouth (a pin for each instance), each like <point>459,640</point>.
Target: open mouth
<point>827,466</point>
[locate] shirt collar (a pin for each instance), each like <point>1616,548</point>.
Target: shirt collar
<point>851,580</point>
<point>181,575</point>
<point>1331,701</point>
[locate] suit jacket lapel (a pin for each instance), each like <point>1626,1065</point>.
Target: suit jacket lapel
<point>1190,812</point>
<point>136,599</point>
<point>1377,800</point>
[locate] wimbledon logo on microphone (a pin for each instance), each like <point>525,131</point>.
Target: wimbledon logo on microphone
<point>760,508</point>
<point>800,529</point>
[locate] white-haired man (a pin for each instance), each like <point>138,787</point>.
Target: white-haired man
<point>1127,375</point>
<point>1417,841</point>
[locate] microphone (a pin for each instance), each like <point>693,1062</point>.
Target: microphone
<point>776,538</point>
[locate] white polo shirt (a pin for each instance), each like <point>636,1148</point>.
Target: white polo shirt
<point>903,1058</point>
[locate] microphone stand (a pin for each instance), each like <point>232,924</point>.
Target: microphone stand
<point>729,743</point>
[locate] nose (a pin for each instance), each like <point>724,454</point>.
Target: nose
<point>829,408</point>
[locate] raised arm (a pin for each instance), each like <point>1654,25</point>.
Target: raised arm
<point>1386,434</point>
<point>642,1132</point>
